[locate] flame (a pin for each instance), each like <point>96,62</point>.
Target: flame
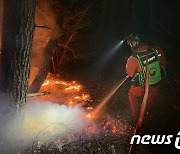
<point>74,93</point>
<point>89,108</point>
<point>89,116</point>
<point>66,92</point>
<point>71,102</point>
<point>70,86</point>
<point>77,97</point>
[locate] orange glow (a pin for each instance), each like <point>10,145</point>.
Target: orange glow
<point>72,93</point>
<point>64,92</point>
<point>77,97</point>
<point>89,108</point>
<point>90,116</point>
<point>73,87</point>
<point>71,102</point>
<point>109,126</point>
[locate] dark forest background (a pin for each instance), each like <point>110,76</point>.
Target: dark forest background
<point>111,21</point>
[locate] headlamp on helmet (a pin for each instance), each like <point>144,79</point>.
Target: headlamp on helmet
<point>134,39</point>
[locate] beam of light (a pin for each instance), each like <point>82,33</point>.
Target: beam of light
<point>107,98</point>
<point>107,56</point>
<point>117,46</point>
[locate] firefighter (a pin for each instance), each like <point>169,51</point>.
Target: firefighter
<point>136,69</point>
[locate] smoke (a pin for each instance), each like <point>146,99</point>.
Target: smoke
<point>43,121</point>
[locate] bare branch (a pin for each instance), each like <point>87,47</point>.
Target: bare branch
<point>42,27</point>
<point>73,33</point>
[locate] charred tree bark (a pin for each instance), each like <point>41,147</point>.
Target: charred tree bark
<point>17,35</point>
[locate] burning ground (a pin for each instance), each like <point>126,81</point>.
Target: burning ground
<point>61,122</point>
<point>56,121</point>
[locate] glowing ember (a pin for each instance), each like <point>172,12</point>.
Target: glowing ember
<point>77,97</point>
<point>89,108</point>
<point>65,92</point>
<point>71,86</point>
<point>74,88</point>
<point>72,93</point>
<point>109,126</point>
<point>89,115</point>
<point>71,102</point>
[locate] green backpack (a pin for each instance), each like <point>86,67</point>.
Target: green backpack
<point>153,66</point>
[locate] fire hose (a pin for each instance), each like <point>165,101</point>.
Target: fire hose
<point>143,105</point>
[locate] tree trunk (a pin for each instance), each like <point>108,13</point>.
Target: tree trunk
<point>45,64</point>
<point>59,14</point>
<point>17,35</point>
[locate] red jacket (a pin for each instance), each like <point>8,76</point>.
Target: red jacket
<point>132,65</point>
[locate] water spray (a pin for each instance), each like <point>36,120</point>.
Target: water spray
<point>107,98</point>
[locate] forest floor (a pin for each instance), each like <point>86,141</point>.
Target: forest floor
<point>162,120</point>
